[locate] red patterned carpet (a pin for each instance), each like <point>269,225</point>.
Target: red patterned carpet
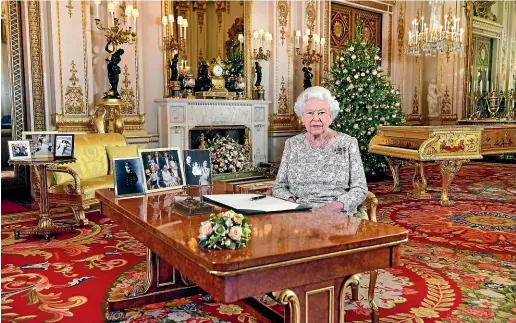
<point>459,266</point>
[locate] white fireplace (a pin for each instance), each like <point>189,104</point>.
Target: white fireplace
<point>177,116</point>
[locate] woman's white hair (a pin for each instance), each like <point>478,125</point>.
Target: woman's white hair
<point>320,93</point>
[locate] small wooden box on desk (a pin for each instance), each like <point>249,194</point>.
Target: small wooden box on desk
<point>244,184</point>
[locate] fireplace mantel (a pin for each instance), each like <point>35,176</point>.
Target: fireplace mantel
<point>177,116</point>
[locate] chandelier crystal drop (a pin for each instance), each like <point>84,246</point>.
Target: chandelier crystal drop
<point>433,37</point>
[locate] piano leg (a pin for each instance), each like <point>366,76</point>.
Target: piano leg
<point>448,170</point>
<point>394,165</point>
<point>419,182</point>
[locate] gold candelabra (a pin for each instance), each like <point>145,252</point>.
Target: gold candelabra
<point>172,43</point>
<point>262,43</point>
<point>116,33</point>
<point>313,47</point>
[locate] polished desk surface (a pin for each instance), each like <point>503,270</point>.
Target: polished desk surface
<point>276,238</point>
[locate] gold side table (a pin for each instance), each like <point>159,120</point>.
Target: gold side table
<point>45,226</point>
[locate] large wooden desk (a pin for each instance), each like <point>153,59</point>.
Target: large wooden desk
<point>303,256</point>
<point>450,146</point>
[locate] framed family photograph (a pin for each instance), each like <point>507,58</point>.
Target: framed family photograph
<point>198,168</point>
<point>19,149</point>
<point>41,143</point>
<point>162,169</point>
<point>128,177</point>
<point>63,144</point>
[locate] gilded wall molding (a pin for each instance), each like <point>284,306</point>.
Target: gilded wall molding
<point>248,17</point>
<point>446,104</point>
<point>415,102</point>
<point>60,54</point>
<point>283,17</point>
<point>74,98</point>
<point>127,94</point>
<point>70,7</point>
<point>401,30</point>
<point>85,52</point>
<point>389,51</point>
<point>36,57</point>
<point>326,31</point>
<point>200,8</point>
<point>283,98</point>
<point>311,14</point>
<point>16,71</point>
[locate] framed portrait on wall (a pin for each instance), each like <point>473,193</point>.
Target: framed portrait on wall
<point>198,167</point>
<point>64,145</point>
<point>128,177</point>
<point>162,169</point>
<point>19,149</point>
<point>41,142</point>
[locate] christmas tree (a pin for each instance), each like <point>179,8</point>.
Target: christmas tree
<point>367,99</point>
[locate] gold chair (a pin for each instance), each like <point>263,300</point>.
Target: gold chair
<point>353,281</point>
<point>74,185</point>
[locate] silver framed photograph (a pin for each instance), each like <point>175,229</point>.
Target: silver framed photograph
<point>64,146</point>
<point>128,177</point>
<point>162,169</point>
<point>41,142</point>
<point>19,149</point>
<point>198,167</point>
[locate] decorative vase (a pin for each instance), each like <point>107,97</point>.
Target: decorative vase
<point>240,86</point>
<point>189,84</point>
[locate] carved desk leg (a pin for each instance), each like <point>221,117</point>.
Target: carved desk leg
<point>448,170</point>
<point>163,282</point>
<point>375,315</point>
<point>293,311</point>
<point>394,166</point>
<point>419,182</point>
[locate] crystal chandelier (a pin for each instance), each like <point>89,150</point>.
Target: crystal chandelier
<point>429,40</point>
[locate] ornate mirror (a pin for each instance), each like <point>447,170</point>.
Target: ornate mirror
<point>215,29</point>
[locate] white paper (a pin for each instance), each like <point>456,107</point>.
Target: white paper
<point>243,202</point>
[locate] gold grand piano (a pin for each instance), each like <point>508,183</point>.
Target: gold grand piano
<point>449,146</point>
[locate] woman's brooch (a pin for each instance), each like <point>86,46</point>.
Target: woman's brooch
<point>339,150</point>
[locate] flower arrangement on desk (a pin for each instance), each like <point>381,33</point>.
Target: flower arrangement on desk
<point>227,155</point>
<point>227,230</point>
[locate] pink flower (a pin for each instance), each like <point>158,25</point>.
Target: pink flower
<point>206,228</point>
<point>479,312</point>
<point>235,233</point>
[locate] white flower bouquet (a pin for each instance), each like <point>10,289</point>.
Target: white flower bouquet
<point>227,230</point>
<point>227,155</point>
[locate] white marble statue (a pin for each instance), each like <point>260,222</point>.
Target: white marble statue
<point>433,98</point>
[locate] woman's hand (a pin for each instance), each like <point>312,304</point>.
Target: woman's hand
<point>334,206</point>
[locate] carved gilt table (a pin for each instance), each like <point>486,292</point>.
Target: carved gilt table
<point>45,226</point>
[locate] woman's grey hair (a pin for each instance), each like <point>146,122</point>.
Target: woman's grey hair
<point>320,93</point>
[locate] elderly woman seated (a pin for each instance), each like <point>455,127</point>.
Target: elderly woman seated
<point>321,168</point>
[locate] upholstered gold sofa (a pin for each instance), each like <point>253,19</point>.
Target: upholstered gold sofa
<point>74,184</point>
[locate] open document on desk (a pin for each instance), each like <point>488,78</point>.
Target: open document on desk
<point>244,204</point>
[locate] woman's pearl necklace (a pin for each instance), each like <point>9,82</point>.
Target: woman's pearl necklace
<point>325,141</point>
